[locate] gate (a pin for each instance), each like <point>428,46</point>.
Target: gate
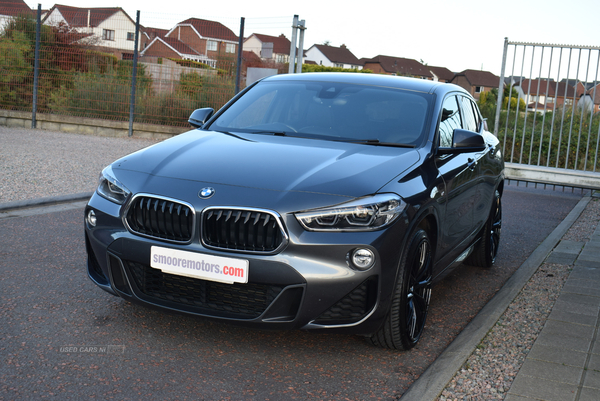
<point>548,113</point>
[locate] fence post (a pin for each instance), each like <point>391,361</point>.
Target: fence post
<point>501,89</point>
<point>239,57</point>
<point>36,68</point>
<point>134,73</point>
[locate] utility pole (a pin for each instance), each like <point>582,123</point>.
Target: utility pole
<point>293,45</point>
<point>302,27</point>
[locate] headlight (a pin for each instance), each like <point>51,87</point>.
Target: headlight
<point>365,214</point>
<point>111,188</point>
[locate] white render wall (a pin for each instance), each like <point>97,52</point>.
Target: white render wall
<point>314,54</point>
<point>253,44</point>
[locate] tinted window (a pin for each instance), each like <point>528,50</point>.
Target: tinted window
<point>450,121</point>
<point>477,115</point>
<point>469,120</point>
<point>329,109</point>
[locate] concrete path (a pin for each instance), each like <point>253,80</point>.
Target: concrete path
<point>564,363</point>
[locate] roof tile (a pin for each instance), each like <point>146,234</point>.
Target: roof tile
<point>211,29</point>
<point>338,54</point>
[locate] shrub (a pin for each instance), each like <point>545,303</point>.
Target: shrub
<point>322,68</point>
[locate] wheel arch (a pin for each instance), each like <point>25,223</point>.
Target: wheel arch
<point>430,224</point>
<point>500,187</point>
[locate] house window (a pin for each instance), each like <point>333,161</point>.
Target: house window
<point>229,48</point>
<point>338,65</point>
<point>130,36</point>
<point>211,46</point>
<point>479,89</point>
<point>108,34</point>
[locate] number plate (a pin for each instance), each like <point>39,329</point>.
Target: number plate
<point>198,265</point>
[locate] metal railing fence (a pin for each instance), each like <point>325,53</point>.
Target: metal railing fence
<point>547,115</point>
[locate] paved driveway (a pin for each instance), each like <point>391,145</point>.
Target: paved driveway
<point>62,336</point>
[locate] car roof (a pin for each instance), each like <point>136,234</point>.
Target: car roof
<point>391,81</point>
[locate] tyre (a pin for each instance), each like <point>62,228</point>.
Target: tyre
<point>486,249</point>
<point>405,321</point>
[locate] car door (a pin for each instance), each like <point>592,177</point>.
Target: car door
<point>458,171</point>
<point>472,122</point>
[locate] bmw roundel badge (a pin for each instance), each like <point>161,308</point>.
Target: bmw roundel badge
<point>206,193</point>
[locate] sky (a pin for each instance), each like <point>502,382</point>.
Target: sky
<point>457,34</point>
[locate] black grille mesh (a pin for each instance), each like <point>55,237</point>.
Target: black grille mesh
<point>354,306</point>
<point>245,301</point>
<point>161,218</point>
<point>241,230</point>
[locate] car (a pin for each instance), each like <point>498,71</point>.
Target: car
<point>317,201</point>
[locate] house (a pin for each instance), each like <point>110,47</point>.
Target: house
<point>573,89</point>
<point>593,93</point>
<point>536,91</point>
<point>476,81</point>
<point>165,47</point>
<point>441,74</point>
<point>210,38</point>
<point>111,30</point>
<point>331,56</point>
<point>544,91</point>
<point>12,8</point>
<point>398,66</point>
<point>148,34</point>
<point>195,39</point>
<point>275,48</point>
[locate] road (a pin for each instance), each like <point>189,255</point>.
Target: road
<point>61,336</point>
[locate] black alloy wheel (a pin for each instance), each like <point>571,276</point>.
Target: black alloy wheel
<point>496,227</point>
<point>405,322</point>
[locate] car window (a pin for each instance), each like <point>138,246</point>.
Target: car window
<point>449,121</point>
<point>478,118</point>
<point>469,120</point>
<point>333,110</point>
<point>253,113</point>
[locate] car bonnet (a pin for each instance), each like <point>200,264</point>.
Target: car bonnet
<point>271,162</point>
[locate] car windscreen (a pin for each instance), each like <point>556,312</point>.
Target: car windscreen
<point>329,110</point>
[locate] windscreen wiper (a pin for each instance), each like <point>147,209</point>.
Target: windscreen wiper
<point>232,134</point>
<point>377,142</point>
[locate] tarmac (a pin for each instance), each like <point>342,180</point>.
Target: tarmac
<point>564,362</point>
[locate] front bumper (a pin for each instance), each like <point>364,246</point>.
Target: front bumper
<point>308,285</point>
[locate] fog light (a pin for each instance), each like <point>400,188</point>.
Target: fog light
<point>363,258</point>
<point>91,218</point>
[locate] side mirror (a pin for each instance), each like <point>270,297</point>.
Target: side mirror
<point>464,141</point>
<point>200,116</point>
